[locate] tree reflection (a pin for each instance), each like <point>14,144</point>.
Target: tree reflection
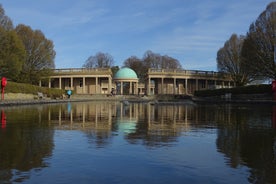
<point>24,143</point>
<point>249,140</point>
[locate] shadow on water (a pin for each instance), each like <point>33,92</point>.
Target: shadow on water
<point>245,134</point>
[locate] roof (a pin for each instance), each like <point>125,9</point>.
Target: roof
<point>125,73</point>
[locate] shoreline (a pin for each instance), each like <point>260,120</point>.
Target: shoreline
<point>253,102</point>
<point>133,99</point>
<point>22,99</point>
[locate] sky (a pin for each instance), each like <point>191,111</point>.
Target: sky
<point>191,31</point>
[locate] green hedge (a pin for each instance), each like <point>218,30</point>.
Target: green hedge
<point>252,89</point>
<point>13,87</point>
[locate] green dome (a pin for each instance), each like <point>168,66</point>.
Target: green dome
<point>125,73</point>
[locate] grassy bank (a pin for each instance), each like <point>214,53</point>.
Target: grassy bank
<point>13,87</point>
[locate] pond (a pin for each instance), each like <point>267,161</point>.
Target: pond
<point>111,142</point>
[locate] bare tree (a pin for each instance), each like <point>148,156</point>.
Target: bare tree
<point>100,60</point>
<point>153,60</point>
<point>259,46</point>
<point>5,21</point>
<point>168,62</point>
<point>229,60</point>
<point>137,65</point>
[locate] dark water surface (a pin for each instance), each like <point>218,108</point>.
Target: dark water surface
<point>140,143</point>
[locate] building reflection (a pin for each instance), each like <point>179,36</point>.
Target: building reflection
<point>109,115</point>
<point>155,119</point>
<point>100,120</point>
<point>155,124</point>
<point>82,116</point>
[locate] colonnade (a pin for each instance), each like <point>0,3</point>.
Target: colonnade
<point>158,81</point>
<point>132,88</point>
<point>82,80</point>
<point>82,85</point>
<point>162,81</point>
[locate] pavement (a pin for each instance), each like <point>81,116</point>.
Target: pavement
<point>14,99</point>
<point>29,99</point>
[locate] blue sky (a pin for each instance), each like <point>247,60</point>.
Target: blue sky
<point>190,31</point>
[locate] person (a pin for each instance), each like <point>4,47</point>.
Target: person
<point>69,93</point>
<point>112,92</point>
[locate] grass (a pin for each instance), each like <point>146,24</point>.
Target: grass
<point>13,87</point>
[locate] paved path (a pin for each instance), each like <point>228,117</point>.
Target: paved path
<point>21,99</point>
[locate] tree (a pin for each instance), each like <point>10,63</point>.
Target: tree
<point>153,60</point>
<point>229,60</point>
<point>40,54</point>
<point>259,45</point>
<point>12,54</point>
<point>100,60</point>
<point>115,69</point>
<point>5,21</point>
<point>170,63</point>
<point>137,65</point>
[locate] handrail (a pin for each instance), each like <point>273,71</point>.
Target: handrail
<point>185,72</point>
<point>81,70</point>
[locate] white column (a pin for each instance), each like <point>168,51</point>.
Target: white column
<point>130,88</point>
<point>49,83</point>
<point>83,85</point>
<point>162,85</point>
<point>72,84</point>
<point>59,82</point>
<point>96,90</point>
<point>135,91</point>
<point>121,88</point>
<point>109,84</point>
<point>186,86</point>
<point>149,87</point>
<point>174,86</point>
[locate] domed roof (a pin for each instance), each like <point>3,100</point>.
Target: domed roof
<point>125,73</point>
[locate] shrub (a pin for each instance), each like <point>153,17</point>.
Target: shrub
<point>252,89</point>
<point>13,87</point>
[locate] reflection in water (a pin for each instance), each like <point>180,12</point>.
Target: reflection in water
<point>25,143</point>
<point>244,134</point>
<point>101,115</point>
<point>274,117</point>
<point>249,140</point>
<point>3,119</point>
<point>156,124</point>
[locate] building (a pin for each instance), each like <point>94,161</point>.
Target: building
<point>176,81</point>
<point>82,80</point>
<point>126,82</point>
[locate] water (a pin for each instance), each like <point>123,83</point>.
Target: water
<point>108,142</point>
